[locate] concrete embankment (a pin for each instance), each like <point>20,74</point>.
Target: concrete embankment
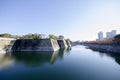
<point>35,45</point>
<point>104,47</point>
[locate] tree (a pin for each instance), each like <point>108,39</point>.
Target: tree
<point>51,36</point>
<point>37,36</point>
<point>117,36</point>
<point>31,36</point>
<point>117,39</point>
<point>6,35</point>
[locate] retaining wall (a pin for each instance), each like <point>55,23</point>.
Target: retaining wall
<point>35,45</point>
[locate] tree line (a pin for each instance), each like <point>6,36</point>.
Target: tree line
<point>29,36</point>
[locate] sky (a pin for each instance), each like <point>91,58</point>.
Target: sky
<point>74,19</point>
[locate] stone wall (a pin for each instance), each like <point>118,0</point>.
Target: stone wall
<point>68,43</point>
<point>5,44</point>
<point>62,43</point>
<point>35,45</point>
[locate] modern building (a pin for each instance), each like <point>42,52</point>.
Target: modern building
<point>113,32</point>
<point>110,35</point>
<point>100,36</point>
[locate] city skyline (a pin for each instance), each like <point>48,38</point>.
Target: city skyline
<point>74,19</point>
<point>107,35</point>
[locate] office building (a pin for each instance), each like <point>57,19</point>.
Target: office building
<point>100,36</point>
<point>110,35</point>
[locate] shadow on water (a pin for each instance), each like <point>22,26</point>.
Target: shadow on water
<point>34,59</point>
<point>115,56</point>
<point>63,51</point>
<point>60,54</point>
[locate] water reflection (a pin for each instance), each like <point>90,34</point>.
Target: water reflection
<point>34,59</point>
<point>69,49</point>
<point>6,60</point>
<point>59,54</point>
<point>81,64</point>
<point>63,51</point>
<point>115,56</point>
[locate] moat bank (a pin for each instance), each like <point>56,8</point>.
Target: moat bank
<point>104,47</point>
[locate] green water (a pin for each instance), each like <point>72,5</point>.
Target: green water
<point>77,63</point>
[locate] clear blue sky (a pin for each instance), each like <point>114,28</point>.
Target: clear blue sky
<point>75,19</point>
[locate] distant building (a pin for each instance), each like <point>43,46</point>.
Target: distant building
<point>110,35</point>
<point>100,36</point>
<point>113,33</point>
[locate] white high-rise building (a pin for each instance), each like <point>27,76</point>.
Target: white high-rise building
<point>110,35</point>
<point>100,36</point>
<point>113,33</point>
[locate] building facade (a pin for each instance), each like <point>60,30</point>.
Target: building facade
<point>100,36</point>
<point>110,35</point>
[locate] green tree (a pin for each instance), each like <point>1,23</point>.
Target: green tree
<point>6,35</point>
<point>31,36</point>
<point>51,36</point>
<point>117,36</point>
<point>37,36</point>
<point>117,39</point>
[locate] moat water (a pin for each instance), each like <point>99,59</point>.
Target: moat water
<point>77,63</point>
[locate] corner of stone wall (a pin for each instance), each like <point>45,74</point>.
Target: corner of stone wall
<point>55,44</point>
